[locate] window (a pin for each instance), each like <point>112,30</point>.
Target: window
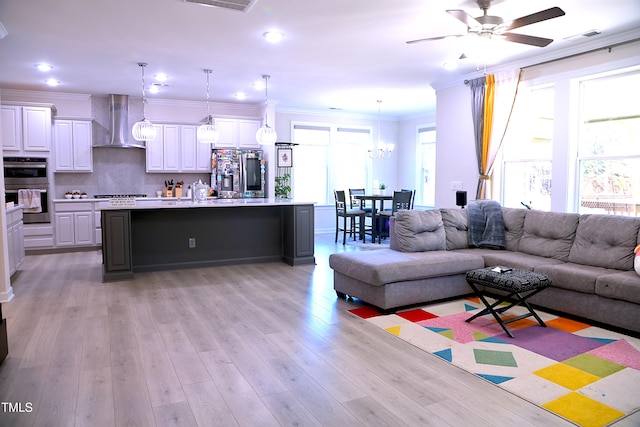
<point>426,191</point>
<point>608,148</point>
<point>526,167</point>
<point>329,157</point>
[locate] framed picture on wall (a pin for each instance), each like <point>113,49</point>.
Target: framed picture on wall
<point>285,157</point>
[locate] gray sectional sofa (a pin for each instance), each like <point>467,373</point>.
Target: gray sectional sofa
<point>589,259</point>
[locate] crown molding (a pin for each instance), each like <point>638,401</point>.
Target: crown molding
<point>40,94</point>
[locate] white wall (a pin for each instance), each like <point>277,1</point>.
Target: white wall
<point>455,151</point>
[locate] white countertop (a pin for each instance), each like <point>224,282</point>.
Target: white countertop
<point>173,203</point>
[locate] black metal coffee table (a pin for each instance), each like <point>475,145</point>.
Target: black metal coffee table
<point>521,284</point>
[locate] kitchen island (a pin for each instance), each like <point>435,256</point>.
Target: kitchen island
<point>153,235</point>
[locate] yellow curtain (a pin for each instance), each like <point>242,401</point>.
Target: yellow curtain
<point>484,178</point>
<point>500,95</point>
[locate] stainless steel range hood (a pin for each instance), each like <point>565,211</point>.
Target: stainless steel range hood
<point>119,131</point>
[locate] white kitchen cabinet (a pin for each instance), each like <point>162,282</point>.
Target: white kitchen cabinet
<point>176,149</point>
<point>228,129</point>
<point>237,133</point>
<point>171,148</point>
<point>73,146</point>
<point>26,130</point>
<point>247,133</point>
<point>74,224</point>
<point>155,151</point>
<point>15,239</point>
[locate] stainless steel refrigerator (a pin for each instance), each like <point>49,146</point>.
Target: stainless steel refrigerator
<point>238,174</point>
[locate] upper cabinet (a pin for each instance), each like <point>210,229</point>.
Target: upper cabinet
<point>176,149</point>
<point>72,146</point>
<point>237,133</point>
<point>26,130</point>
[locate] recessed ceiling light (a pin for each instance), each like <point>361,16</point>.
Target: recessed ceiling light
<point>154,88</point>
<point>240,96</point>
<point>52,82</point>
<point>450,65</point>
<point>44,67</point>
<point>273,36</point>
<point>258,85</point>
<point>161,77</point>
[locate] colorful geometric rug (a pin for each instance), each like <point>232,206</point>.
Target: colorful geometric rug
<point>587,375</point>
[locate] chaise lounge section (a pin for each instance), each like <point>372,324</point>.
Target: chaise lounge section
<point>589,259</point>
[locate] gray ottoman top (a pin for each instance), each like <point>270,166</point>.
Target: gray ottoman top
<point>513,280</point>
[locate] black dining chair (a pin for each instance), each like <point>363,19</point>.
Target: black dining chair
<point>361,204</point>
<point>401,201</point>
<point>355,217</point>
<point>413,196</point>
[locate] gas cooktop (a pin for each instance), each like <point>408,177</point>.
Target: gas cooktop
<point>109,196</point>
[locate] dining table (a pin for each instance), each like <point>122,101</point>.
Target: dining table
<point>376,225</point>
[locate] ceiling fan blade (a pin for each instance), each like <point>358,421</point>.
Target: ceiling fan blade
<point>524,39</point>
<point>436,38</point>
<point>464,17</point>
<point>543,15</point>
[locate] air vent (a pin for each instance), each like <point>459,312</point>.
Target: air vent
<point>239,5</point>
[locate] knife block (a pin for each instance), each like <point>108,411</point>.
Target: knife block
<point>167,192</point>
<point>177,192</point>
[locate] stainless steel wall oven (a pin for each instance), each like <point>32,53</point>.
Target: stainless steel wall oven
<point>28,173</point>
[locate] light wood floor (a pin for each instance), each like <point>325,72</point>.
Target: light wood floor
<point>251,345</point>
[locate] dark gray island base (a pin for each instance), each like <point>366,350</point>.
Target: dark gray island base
<point>153,237</point>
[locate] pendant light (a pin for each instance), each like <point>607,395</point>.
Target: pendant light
<point>266,135</point>
<point>144,129</point>
<point>207,132</point>
<point>382,151</point>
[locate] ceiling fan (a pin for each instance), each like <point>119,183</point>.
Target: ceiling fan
<point>487,26</point>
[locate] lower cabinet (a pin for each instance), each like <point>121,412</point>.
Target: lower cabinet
<point>15,239</point>
<point>74,225</point>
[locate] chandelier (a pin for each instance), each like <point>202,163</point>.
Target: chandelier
<point>207,132</point>
<point>382,151</point>
<point>144,129</point>
<point>266,135</point>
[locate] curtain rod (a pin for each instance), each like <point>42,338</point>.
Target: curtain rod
<point>466,82</point>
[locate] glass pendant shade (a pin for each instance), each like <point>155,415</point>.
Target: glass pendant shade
<point>144,129</point>
<point>266,135</point>
<point>208,134</point>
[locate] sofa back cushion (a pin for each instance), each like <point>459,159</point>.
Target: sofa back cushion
<point>548,234</point>
<point>513,227</point>
<point>456,227</point>
<point>605,241</point>
<point>418,231</point>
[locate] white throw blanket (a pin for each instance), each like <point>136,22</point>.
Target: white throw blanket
<point>30,199</point>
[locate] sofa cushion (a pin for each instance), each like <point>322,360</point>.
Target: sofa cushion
<point>384,266</point>
<point>573,277</point>
<point>511,259</point>
<point>455,227</point>
<point>605,241</point>
<point>624,286</point>
<point>418,230</point>
<point>513,227</point>
<point>548,234</point>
